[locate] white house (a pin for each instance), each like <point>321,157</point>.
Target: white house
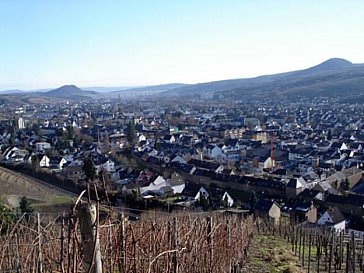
<point>21,123</point>
<point>169,139</point>
<point>177,187</point>
<point>343,146</point>
<point>57,162</point>
<point>142,138</point>
<point>209,148</point>
<point>44,161</point>
<point>106,164</point>
<point>109,166</point>
<point>159,183</point>
<point>226,197</point>
<point>269,163</point>
<point>332,218</point>
<point>154,186</point>
<point>201,192</point>
<point>14,155</point>
<point>42,146</point>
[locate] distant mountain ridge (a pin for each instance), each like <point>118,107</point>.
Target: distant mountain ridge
<point>335,76</point>
<point>72,90</point>
<point>152,89</point>
<point>68,91</point>
<point>11,91</point>
<point>332,64</point>
<point>332,77</point>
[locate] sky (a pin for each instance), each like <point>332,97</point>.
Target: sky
<point>46,44</point>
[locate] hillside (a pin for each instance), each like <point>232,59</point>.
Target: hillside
<point>15,185</point>
<point>66,92</point>
<point>335,76</point>
<point>146,90</point>
<point>74,93</point>
<point>332,77</point>
<point>69,92</point>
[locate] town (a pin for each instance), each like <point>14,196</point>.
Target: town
<point>181,136</point>
<point>299,158</point>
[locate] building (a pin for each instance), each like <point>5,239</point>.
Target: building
<point>332,218</point>
<point>268,209</point>
<point>304,212</point>
<point>21,123</point>
<point>42,146</point>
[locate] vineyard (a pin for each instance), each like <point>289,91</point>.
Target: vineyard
<point>318,249</point>
<point>212,242</point>
<point>87,240</point>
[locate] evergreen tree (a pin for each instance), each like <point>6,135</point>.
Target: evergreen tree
<point>25,207</point>
<point>346,185</point>
<point>12,139</point>
<point>130,133</point>
<point>89,169</point>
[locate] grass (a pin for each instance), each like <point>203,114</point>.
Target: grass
<point>60,199</point>
<point>272,254</point>
<point>169,199</point>
<point>53,202</point>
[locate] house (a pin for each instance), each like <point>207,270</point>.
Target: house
<point>293,188</point>
<point>231,145</point>
<point>226,198</point>
<point>106,164</point>
<point>214,152</point>
<point>304,211</point>
<point>142,138</point>
<point>14,155</point>
<point>42,146</point>
<point>177,186</point>
<point>325,187</point>
<point>44,161</point>
<point>220,198</point>
<point>57,162</point>
<point>177,183</point>
<point>232,156</point>
<point>352,176</point>
<point>74,172</point>
<point>202,193</point>
<point>161,186</point>
<point>206,165</point>
<point>187,168</point>
<point>268,209</point>
<point>356,226</point>
<point>332,218</point>
<point>312,194</point>
<point>194,192</point>
<point>269,163</point>
<point>169,139</point>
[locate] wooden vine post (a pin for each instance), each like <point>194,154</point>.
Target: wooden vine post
<point>40,256</point>
<point>88,217</point>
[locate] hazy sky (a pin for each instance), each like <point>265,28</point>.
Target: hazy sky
<point>120,43</point>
